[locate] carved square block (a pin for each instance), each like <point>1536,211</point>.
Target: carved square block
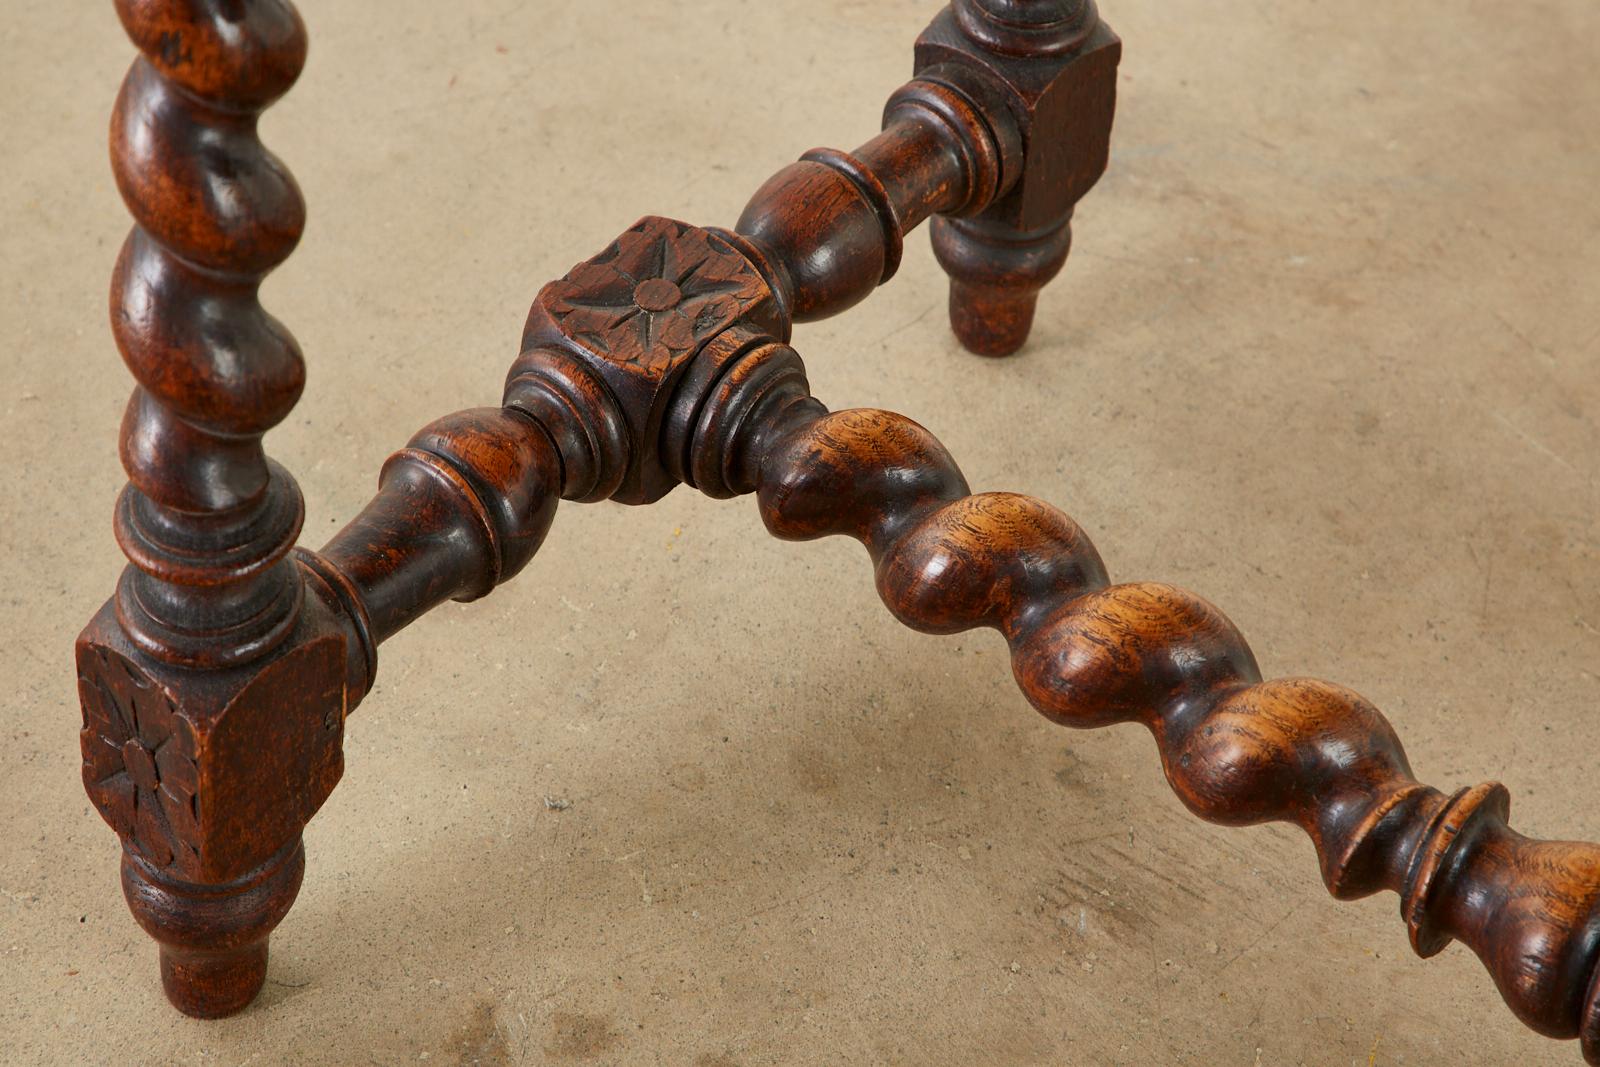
<point>1064,104</point>
<point>208,774</point>
<point>637,313</point>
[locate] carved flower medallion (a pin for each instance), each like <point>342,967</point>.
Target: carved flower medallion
<point>138,759</point>
<point>655,296</point>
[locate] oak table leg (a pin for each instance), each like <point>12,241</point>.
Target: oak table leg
<point>215,682</point>
<point>1058,63</point>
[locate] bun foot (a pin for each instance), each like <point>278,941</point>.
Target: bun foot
<point>213,938</point>
<point>996,273</point>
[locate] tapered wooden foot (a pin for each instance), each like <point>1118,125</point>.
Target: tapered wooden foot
<point>996,273</point>
<point>213,938</point>
<point>209,777</point>
<point>1053,63</point>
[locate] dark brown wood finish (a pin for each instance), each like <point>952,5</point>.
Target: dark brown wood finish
<point>1057,63</point>
<point>1236,749</point>
<point>216,683</point>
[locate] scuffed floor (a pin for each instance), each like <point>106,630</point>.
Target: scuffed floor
<point>1328,352</point>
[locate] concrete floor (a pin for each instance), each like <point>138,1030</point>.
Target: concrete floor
<point>1326,352</point>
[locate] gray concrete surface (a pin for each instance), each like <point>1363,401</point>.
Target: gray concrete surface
<point>1328,352</point>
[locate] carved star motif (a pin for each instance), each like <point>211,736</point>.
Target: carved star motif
<point>138,762</point>
<point>650,300</point>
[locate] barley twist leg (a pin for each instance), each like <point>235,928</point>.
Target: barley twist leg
<point>1237,750</point>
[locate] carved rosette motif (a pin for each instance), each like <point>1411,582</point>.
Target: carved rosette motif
<point>138,759</point>
<point>652,298</point>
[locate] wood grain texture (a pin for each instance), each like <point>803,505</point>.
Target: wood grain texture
<point>463,507</point>
<point>215,683</point>
<point>1054,63</point>
<point>1236,749</point>
<point>207,520</point>
<point>215,686</point>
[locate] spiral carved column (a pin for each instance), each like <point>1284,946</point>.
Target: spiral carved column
<point>206,518</point>
<point>215,682</point>
<point>1236,749</point>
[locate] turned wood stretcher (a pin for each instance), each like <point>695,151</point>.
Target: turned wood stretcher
<point>217,681</point>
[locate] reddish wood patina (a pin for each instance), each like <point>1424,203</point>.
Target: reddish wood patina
<point>216,682</point>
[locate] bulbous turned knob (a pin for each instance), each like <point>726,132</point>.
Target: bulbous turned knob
<point>1027,27</point>
<point>213,938</point>
<point>996,273</point>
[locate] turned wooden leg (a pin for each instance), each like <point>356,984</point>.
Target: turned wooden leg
<point>1052,65</point>
<point>996,273</point>
<point>214,684</point>
<point>213,938</point>
<point>208,778</point>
